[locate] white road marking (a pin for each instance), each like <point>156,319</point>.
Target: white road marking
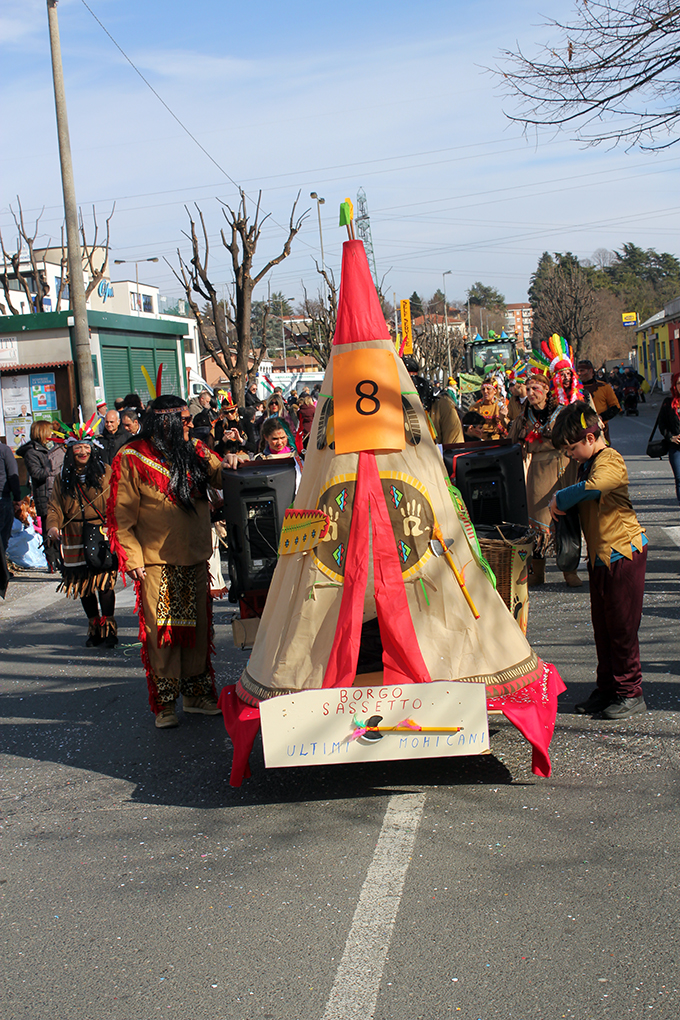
<point>30,721</point>
<point>673,534</point>
<point>357,981</point>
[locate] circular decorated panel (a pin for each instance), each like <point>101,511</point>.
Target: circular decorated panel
<point>336,500</point>
<point>412,519</point>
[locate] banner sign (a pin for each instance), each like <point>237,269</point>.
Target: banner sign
<point>468,382</point>
<point>629,318</point>
<point>377,723</point>
<point>406,329</point>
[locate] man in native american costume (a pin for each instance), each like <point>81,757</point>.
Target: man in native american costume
<point>159,525</point>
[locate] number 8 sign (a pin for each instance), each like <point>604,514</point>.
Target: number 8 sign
<point>367,405</point>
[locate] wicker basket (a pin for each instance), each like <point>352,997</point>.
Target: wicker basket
<point>508,555</point>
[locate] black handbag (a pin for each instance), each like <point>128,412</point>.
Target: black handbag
<point>659,447</point>
<point>568,541</point>
<point>98,555</point>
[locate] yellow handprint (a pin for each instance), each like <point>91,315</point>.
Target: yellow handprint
<point>332,533</point>
<point>412,517</point>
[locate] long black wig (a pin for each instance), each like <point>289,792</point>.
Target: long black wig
<point>162,426</point>
<point>70,471</point>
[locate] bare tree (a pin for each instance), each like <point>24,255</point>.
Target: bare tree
<point>232,347</point>
<point>565,305</point>
<point>615,64</point>
<point>600,259</point>
<point>609,337</point>
<point>5,278</point>
<point>321,314</point>
<point>31,280</point>
<point>431,344</point>
<point>92,252</point>
<point>63,271</point>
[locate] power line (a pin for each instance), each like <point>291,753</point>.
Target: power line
<point>160,98</point>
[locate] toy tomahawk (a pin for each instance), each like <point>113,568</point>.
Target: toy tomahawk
<point>372,730</point>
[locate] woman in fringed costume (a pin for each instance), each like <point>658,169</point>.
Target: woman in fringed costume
<point>79,494</point>
<point>547,469</point>
<point>159,525</point>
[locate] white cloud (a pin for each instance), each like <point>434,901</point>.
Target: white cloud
<point>21,20</point>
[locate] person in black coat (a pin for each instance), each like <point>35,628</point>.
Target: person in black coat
<point>113,436</point>
<point>233,417</point>
<point>37,460</point>
<point>669,427</point>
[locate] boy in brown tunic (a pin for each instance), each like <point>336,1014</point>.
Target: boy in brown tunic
<point>617,557</point>
<point>159,524</point>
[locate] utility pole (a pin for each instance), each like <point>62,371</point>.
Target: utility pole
<point>363,224</point>
<point>319,203</point>
<point>283,340</point>
<point>81,332</point>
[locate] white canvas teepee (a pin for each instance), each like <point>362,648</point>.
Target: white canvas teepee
<point>398,550</point>
<point>396,503</point>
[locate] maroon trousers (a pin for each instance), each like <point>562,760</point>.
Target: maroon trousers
<point>616,609</point>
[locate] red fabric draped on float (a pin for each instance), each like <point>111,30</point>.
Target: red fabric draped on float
<point>532,710</point>
<point>242,723</point>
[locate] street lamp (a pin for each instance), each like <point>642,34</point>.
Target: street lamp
<point>446,320</point>
<point>121,262</point>
<point>319,203</point>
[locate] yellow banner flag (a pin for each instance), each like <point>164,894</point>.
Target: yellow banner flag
<point>406,329</point>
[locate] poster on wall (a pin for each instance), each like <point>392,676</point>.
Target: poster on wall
<point>16,401</point>
<point>16,396</point>
<point>43,392</point>
<point>18,431</point>
<point>46,416</point>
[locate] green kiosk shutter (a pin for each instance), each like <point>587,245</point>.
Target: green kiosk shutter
<point>116,373</point>
<point>122,360</point>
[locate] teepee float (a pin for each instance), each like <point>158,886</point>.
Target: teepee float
<point>382,634</point>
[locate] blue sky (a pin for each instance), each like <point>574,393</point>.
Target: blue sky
<point>391,97</point>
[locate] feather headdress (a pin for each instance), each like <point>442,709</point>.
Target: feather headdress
<point>539,366</point>
<point>154,388</point>
<point>562,357</point>
<point>518,372</point>
<point>558,352</point>
<point>69,435</point>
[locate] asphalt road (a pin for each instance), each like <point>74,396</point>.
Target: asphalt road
<point>137,883</point>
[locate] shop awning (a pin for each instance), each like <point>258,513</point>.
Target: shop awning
<point>16,369</point>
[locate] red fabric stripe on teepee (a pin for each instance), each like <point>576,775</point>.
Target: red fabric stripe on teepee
<point>402,659</point>
<point>342,662</point>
